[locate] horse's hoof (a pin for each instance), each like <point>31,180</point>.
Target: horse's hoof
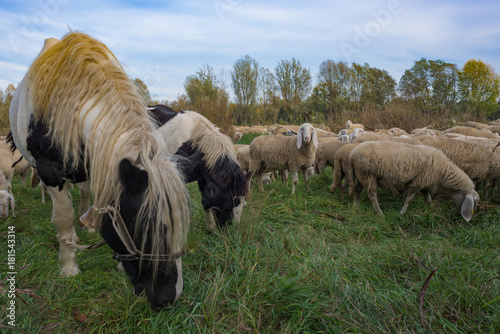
<point>69,270</point>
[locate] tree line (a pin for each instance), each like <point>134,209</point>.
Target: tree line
<point>429,90</point>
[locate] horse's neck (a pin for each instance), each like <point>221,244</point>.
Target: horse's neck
<point>176,132</point>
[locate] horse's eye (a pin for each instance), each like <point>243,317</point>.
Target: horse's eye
<point>236,201</point>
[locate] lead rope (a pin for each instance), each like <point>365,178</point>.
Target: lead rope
<point>124,235</point>
<point>121,229</point>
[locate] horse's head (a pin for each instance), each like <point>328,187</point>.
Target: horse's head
<point>162,280</point>
<point>223,187</point>
<point>223,194</point>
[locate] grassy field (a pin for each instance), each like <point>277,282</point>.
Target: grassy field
<point>307,263</point>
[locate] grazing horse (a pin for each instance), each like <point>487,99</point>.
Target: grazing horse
<point>222,183</point>
<point>76,116</point>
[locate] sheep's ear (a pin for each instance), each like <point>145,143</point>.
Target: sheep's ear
<point>299,137</point>
<point>467,207</point>
<point>315,138</point>
<point>12,204</point>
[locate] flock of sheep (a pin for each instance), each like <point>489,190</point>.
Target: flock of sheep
<point>457,161</point>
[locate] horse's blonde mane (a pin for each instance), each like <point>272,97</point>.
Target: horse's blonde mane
<point>79,73</point>
<point>208,139</point>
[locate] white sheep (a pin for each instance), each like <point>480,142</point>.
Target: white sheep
<point>355,134</point>
<point>414,167</point>
<point>468,131</point>
<point>270,153</point>
<point>6,162</point>
<point>340,167</point>
<point>21,165</point>
<point>473,158</point>
<point>6,197</point>
<point>325,155</point>
<point>243,157</point>
<point>350,126</point>
<point>237,136</point>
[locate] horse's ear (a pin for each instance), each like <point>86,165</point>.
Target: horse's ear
<point>133,179</point>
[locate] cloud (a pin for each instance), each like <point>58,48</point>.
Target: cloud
<point>164,42</point>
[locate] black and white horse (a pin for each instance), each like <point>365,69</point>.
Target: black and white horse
<point>76,116</point>
<point>222,183</point>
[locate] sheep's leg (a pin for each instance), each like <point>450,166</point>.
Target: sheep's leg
<point>63,218</point>
<point>343,188</point>
<point>409,196</point>
<point>306,178</point>
<point>427,196</point>
<point>258,176</point>
<point>24,174</point>
<point>295,178</point>
<point>357,193</point>
<point>284,177</point>
<point>372,194</point>
<point>485,184</point>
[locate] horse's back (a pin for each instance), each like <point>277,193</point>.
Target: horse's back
<point>161,114</point>
<point>177,131</point>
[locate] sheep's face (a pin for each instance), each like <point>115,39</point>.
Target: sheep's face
<point>6,199</point>
<point>306,134</point>
<point>466,204</point>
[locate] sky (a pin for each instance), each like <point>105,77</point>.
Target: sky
<point>163,42</point>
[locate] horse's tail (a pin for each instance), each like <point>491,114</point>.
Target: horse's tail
<point>10,140</point>
<point>18,161</point>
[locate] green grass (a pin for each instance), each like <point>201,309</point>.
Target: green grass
<point>303,263</point>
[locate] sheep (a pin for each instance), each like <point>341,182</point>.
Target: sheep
<point>477,125</point>
<point>326,134</point>
<point>340,167</point>
<point>243,157</point>
<point>237,136</point>
<point>325,155</point>
<point>350,126</point>
<point>414,167</point>
<point>468,131</point>
<point>396,132</point>
<point>270,153</point>
<point>371,136</point>
<point>436,132</point>
<point>6,198</point>
<point>472,158</point>
<point>236,147</point>
<point>424,132</point>
<point>355,133</point>
<point>19,163</point>
<point>324,139</point>
<point>6,168</point>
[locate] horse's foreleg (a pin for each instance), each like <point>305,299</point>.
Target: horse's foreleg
<point>63,218</point>
<point>84,188</point>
